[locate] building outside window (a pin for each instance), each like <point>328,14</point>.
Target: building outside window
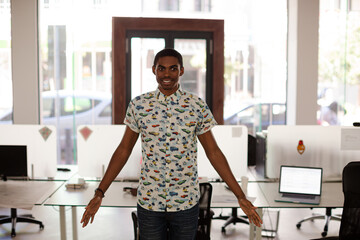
<point>339,62</point>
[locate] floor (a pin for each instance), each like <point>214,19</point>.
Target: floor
<point>116,223</point>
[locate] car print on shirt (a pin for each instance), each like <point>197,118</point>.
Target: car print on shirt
<point>179,110</point>
<point>168,126</point>
<point>186,130</point>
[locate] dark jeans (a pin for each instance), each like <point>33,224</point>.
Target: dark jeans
<point>180,225</point>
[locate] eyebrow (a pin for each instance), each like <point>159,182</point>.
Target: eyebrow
<point>169,66</point>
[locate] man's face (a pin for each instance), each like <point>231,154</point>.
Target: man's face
<point>168,71</point>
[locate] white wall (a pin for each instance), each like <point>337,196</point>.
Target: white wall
<point>303,38</point>
<point>24,51</point>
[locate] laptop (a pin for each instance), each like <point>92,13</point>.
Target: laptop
<point>300,184</point>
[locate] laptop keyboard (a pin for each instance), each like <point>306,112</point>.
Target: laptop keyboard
<point>303,196</point>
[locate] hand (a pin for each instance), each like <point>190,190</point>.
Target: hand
<point>250,211</point>
<point>90,210</point>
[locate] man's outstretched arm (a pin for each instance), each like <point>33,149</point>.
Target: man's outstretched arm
<point>117,162</point>
<point>221,165</point>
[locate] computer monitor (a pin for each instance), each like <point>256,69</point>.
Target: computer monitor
<point>13,161</point>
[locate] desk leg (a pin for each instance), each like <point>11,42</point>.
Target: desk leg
<point>62,223</point>
<point>254,229</point>
<point>74,223</point>
<point>259,229</point>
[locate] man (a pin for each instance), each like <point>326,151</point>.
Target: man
<point>169,120</point>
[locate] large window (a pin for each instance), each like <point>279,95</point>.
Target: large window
<point>255,64</point>
<point>6,98</point>
<point>75,66</point>
<point>75,58</point>
<point>339,62</point>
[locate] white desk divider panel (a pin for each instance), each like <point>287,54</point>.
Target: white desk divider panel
<point>97,143</point>
<point>41,147</point>
<point>321,148</point>
<point>233,142</point>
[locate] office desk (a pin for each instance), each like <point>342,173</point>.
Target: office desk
<point>25,194</point>
<point>224,198</point>
<point>266,192</point>
<point>331,196</point>
<point>116,197</point>
<point>262,195</point>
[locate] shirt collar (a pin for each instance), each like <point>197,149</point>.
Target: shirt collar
<point>173,97</point>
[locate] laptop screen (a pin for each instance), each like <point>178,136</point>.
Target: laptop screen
<point>303,180</point>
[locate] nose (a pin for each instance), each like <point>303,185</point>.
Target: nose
<point>166,72</point>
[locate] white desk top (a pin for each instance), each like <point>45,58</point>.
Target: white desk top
<point>260,194</point>
<point>114,196</point>
<point>331,196</point>
<point>224,198</point>
<point>25,194</point>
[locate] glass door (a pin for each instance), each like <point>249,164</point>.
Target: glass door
<point>194,47</point>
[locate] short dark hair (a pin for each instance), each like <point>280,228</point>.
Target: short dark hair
<point>168,52</point>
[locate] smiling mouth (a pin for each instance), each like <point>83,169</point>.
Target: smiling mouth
<point>166,81</point>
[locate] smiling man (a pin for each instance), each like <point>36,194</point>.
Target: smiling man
<point>169,121</point>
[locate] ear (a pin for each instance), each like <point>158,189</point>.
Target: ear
<point>153,70</point>
<point>181,71</point>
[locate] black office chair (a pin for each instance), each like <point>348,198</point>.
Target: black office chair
<point>205,214</point>
<point>14,218</point>
<point>328,216</point>
<point>232,219</point>
<point>350,221</point>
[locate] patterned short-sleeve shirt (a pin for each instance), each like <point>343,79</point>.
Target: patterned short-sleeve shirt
<point>168,126</point>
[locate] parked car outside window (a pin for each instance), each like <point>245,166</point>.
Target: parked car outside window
<point>258,116</point>
<point>68,109</point>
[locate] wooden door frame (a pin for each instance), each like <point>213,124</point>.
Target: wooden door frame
<point>120,25</point>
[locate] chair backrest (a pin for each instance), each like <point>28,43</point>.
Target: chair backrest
<point>205,196</point>
<point>350,220</point>
<point>205,213</point>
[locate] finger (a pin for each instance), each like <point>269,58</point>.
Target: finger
<point>92,218</point>
<point>83,218</point>
<point>258,218</point>
<point>258,222</point>
<point>85,223</point>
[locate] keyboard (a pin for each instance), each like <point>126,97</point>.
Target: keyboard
<point>303,196</point>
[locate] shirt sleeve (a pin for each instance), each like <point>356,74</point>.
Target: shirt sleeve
<point>207,120</point>
<point>130,119</point>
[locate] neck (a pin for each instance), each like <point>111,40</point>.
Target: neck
<point>168,92</point>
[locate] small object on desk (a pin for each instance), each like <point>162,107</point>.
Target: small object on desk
<point>131,190</point>
<point>244,183</point>
<point>77,183</point>
<point>203,179</point>
<point>64,169</point>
